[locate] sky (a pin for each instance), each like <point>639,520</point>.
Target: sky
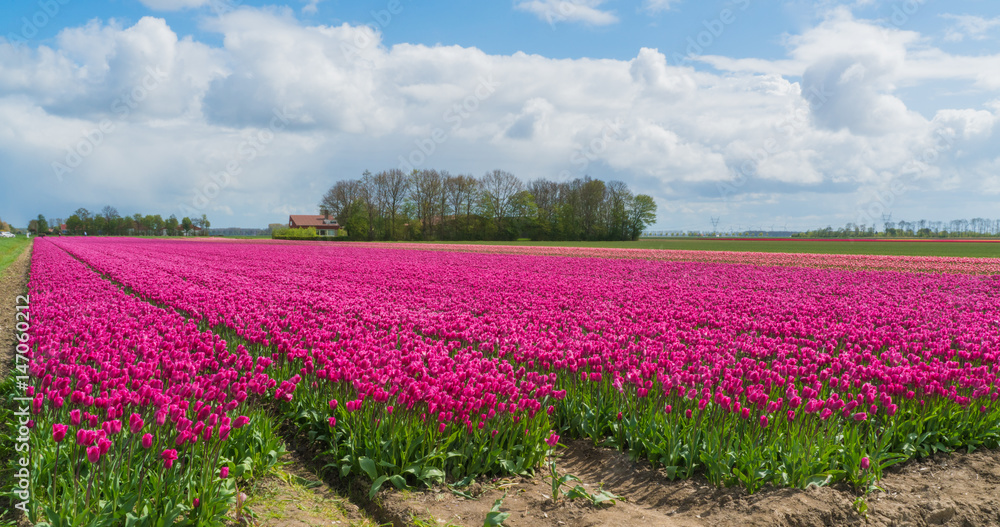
<point>791,114</point>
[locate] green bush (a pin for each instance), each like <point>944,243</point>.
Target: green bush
<point>294,234</point>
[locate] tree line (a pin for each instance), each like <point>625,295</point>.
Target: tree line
<point>436,205</point>
<point>109,222</point>
<point>962,228</point>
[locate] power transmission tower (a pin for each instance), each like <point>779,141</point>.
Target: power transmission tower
<point>715,224</point>
<point>886,220</point>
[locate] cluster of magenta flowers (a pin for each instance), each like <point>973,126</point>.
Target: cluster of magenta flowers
<point>417,365</point>
<point>140,403</point>
<point>854,262</point>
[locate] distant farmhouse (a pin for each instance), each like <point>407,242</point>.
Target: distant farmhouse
<point>324,225</point>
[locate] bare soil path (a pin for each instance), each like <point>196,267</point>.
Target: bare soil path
<point>294,496</point>
<point>13,281</point>
<point>958,489</point>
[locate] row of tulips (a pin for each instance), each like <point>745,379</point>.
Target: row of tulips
<point>870,262</point>
<point>138,415</point>
<point>421,366</point>
<point>855,262</point>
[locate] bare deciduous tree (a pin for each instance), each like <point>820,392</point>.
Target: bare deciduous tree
<point>498,190</point>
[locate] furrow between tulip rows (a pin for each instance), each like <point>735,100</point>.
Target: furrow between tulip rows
<point>415,367</point>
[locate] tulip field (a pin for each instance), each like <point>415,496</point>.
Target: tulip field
<point>161,370</point>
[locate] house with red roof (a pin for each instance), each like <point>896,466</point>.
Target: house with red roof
<point>324,225</point>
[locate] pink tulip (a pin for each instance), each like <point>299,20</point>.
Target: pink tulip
<point>135,423</point>
<point>59,432</point>
<point>168,456</point>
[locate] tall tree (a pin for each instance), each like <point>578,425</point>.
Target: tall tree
<point>370,192</point>
<point>426,190</point>
<point>447,215</point>
<point>154,223</point>
<point>391,189</point>
<point>568,217</point>
<point>172,225</point>
<point>460,191</point>
<point>591,201</point>
<point>498,190</point>
<point>111,219</point>
<point>341,196</point>
<point>546,196</point>
<point>642,214</point>
<point>86,219</point>
<point>41,225</point>
<point>618,198</point>
<point>74,224</point>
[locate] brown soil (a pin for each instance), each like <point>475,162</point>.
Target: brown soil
<point>957,489</point>
<point>13,281</point>
<point>296,497</point>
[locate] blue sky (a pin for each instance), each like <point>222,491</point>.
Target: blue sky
<point>796,113</point>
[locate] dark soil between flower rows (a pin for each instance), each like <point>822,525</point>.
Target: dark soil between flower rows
<point>958,489</point>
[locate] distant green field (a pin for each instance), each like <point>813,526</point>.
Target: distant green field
<point>10,248</point>
<point>901,248</point>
